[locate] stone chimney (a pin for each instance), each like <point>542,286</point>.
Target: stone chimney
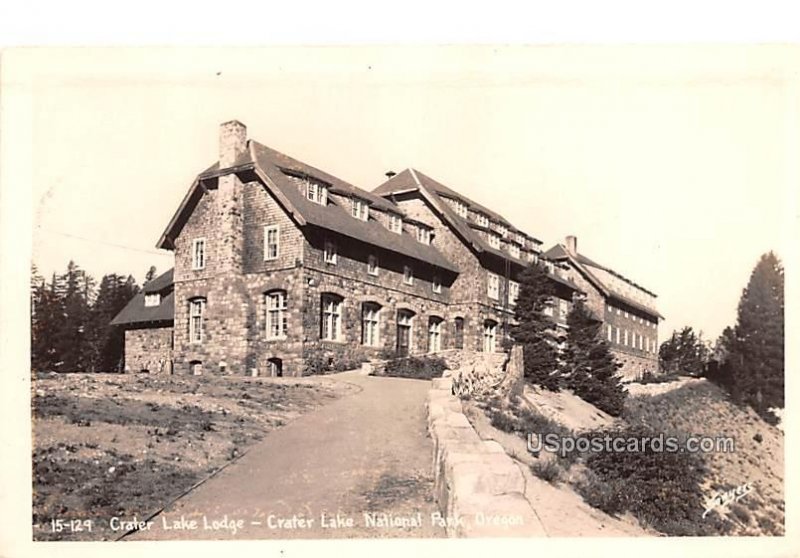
<point>390,174</point>
<point>232,143</point>
<point>571,243</point>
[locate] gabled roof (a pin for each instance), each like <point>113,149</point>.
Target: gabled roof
<point>136,313</point>
<point>273,169</point>
<point>583,264</point>
<point>412,180</point>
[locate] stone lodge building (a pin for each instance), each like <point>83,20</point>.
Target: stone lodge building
<point>276,260</point>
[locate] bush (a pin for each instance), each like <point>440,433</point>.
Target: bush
<point>422,367</point>
<point>320,361</point>
<point>650,378</point>
<point>547,469</point>
<point>660,488</point>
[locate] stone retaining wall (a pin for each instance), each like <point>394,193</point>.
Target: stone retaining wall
<point>479,489</point>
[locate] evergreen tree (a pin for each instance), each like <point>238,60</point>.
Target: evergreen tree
<point>756,357</point>
<point>589,368</point>
<point>46,315</point>
<point>683,353</point>
<point>72,334</point>
<point>535,331</point>
<point>108,341</point>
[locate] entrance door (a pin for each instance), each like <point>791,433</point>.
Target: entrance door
<point>404,332</point>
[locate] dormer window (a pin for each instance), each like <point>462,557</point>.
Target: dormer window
<point>513,249</point>
<point>424,235</point>
<point>494,241</point>
<point>521,239</point>
<point>460,208</point>
<point>395,223</point>
<point>152,299</point>
<point>317,193</point>
<point>360,209</point>
<point>503,230</point>
<point>482,220</point>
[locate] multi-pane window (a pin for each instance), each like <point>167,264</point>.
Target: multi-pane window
<point>481,219</point>
<point>609,331</point>
<point>370,324</point>
<point>152,299</point>
<point>408,275</point>
<point>494,240</point>
<point>317,193</point>
<point>395,223</point>
<point>434,335</point>
<point>513,249</point>
<point>372,265</point>
<point>424,235</point>
<point>276,318</point>
<point>330,253</point>
<point>489,336</point>
<point>197,308</point>
<point>460,207</point>
<point>331,317</point>
<point>459,333</point>
<point>513,292</point>
<point>271,242</point>
<point>641,342</point>
<point>360,209</point>
<point>436,284</point>
<point>493,289</point>
<point>617,336</point>
<point>521,239</point>
<point>199,253</point>
<point>625,338</point>
<point>503,230</point>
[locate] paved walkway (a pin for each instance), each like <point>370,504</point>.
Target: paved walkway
<point>366,457</point>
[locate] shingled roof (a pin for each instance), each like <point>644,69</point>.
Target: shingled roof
<point>411,180</point>
<point>136,313</point>
<point>583,264</point>
<point>273,169</point>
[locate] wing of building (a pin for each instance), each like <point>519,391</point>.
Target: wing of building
<point>627,310</point>
<point>276,261</point>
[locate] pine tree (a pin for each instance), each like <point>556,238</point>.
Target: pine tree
<point>756,357</point>
<point>72,341</point>
<point>113,294</point>
<point>683,353</point>
<point>535,331</point>
<point>589,368</point>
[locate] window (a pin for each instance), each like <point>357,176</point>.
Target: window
<point>459,333</point>
<point>360,209</point>
<point>503,230</point>
<point>460,208</point>
<point>434,334</point>
<point>494,286</point>
<point>395,224</point>
<point>331,317</point>
<point>404,323</point>
<point>489,336</point>
<point>626,313</point>
<point>641,342</point>
<point>617,336</point>
<point>275,367</point>
<point>408,275</point>
<point>372,265</point>
<point>317,193</point>
<point>610,309</point>
<point>436,285</point>
<point>609,332</point>
<point>330,254</point>
<point>521,239</point>
<point>199,253</point>
<point>197,368</point>
<point>513,249</point>
<point>513,292</point>
<point>271,242</point>
<point>563,309</point>
<point>625,338</point>
<point>152,299</point>
<point>423,234</point>
<point>197,307</point>
<point>370,325</point>
<point>276,314</point>
<point>482,220</point>
<point>647,344</point>
<point>494,240</point>
<point>617,311</point>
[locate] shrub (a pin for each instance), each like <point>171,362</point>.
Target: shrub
<point>660,488</point>
<point>650,378</point>
<point>547,469</point>
<point>422,367</point>
<point>320,361</point>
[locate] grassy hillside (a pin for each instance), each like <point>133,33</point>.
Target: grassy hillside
<point>700,408</point>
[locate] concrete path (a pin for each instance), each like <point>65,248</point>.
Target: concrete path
<point>358,467</point>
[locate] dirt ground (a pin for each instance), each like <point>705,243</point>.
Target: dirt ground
<point>110,445</point>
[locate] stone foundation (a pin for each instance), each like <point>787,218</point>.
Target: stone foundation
<point>148,350</point>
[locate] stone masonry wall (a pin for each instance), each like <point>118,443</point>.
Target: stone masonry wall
<point>148,349</point>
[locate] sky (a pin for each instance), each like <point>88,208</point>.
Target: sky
<point>675,166</point>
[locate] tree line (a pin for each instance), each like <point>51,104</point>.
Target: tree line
<point>71,320</point>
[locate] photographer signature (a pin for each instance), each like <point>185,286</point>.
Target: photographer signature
<point>724,499</point>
